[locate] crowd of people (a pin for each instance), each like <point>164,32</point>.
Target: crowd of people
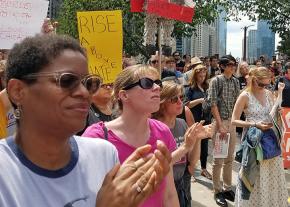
<point>137,141</point>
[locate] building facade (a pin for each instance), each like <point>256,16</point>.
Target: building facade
<point>265,40</point>
<point>53,8</point>
<point>206,40</point>
<point>252,46</point>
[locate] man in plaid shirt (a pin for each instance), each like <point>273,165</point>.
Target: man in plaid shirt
<point>223,92</point>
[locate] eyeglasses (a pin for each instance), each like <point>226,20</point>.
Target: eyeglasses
<point>175,99</point>
<point>70,81</point>
<point>262,85</point>
<point>145,83</point>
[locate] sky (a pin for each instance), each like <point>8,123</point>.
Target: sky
<point>235,36</point>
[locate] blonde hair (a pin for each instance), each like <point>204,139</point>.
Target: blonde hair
<point>131,75</point>
<point>256,74</point>
<point>169,90</point>
<point>193,77</point>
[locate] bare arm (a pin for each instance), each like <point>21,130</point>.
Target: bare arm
<point>189,117</point>
<point>170,198</point>
<point>195,102</point>
<point>240,105</point>
<point>193,157</point>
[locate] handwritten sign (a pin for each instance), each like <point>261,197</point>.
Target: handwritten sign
<point>100,32</point>
<point>20,19</point>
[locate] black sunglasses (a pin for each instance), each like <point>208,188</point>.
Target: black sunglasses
<point>175,99</point>
<point>262,85</point>
<point>70,81</point>
<point>145,83</point>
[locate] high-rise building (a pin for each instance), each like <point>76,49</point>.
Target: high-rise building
<point>53,8</point>
<point>200,41</point>
<point>222,34</point>
<point>265,40</point>
<point>252,46</point>
<point>210,39</point>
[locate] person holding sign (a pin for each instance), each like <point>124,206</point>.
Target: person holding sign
<point>44,164</point>
<point>257,102</point>
<point>222,93</point>
<point>137,91</point>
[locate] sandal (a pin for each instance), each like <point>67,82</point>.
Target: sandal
<point>206,174</point>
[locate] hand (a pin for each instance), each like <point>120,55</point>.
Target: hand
<point>201,100</point>
<point>263,125</point>
<point>281,87</point>
<point>223,132</point>
<point>136,179</point>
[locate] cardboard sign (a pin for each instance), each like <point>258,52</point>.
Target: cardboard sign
<point>101,33</point>
<point>20,19</point>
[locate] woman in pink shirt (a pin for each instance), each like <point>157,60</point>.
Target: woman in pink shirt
<point>137,90</point>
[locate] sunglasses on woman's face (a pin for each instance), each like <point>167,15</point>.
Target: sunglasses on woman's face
<point>175,99</point>
<point>145,83</point>
<point>70,81</point>
<point>262,85</point>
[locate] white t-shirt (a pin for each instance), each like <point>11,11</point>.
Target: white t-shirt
<point>23,184</point>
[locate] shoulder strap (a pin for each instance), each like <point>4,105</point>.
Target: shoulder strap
<point>220,87</point>
<point>105,132</point>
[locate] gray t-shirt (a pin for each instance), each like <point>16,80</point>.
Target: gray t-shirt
<point>23,184</point>
<point>178,132</point>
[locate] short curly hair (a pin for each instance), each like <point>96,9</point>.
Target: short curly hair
<point>34,53</point>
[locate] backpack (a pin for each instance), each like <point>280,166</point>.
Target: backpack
<point>206,105</point>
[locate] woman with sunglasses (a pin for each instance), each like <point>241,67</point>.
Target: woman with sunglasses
<point>256,101</point>
<point>137,90</point>
<point>101,108</point>
<point>44,164</point>
<point>195,93</point>
<point>171,99</point>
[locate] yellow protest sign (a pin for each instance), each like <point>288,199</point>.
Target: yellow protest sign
<point>101,33</point>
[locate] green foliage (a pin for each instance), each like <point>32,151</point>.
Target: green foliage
<point>277,12</point>
<point>284,46</point>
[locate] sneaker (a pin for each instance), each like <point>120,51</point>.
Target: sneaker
<point>206,174</point>
<point>229,195</point>
<point>220,200</point>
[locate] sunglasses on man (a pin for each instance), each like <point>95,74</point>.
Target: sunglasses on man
<point>145,83</point>
<point>69,81</point>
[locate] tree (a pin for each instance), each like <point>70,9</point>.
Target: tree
<point>206,11</point>
<point>276,12</point>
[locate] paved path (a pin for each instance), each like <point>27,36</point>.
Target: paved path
<point>202,194</point>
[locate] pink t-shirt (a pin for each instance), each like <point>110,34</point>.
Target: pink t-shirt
<point>158,131</point>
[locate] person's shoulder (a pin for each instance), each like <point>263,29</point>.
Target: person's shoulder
<point>181,122</point>
<point>96,147</point>
<point>158,125</point>
<point>94,143</point>
<point>94,130</point>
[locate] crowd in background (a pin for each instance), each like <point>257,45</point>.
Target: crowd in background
<point>143,106</point>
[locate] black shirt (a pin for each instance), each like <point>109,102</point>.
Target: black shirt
<point>193,94</point>
<point>243,82</point>
<point>286,91</point>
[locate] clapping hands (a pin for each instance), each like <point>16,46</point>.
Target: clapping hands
<point>136,179</point>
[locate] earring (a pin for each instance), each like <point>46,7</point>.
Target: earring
<point>17,112</point>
